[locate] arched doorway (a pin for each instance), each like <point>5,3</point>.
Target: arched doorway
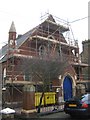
<point>67,88</point>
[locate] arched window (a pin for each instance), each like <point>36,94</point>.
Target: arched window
<point>42,50</point>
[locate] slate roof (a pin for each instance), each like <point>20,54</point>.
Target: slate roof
<point>3,52</point>
<point>24,37</point>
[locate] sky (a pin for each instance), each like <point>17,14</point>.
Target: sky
<point>26,14</point>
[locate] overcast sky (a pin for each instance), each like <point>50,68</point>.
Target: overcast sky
<point>26,15</point>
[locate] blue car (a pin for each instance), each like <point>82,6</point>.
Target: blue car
<point>78,106</point>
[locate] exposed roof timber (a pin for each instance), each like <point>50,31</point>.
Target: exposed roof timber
<point>54,41</point>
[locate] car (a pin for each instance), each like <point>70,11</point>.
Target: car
<point>78,106</point>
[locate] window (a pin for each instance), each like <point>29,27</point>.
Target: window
<point>27,76</point>
<point>4,76</point>
<point>85,98</point>
<point>59,50</point>
<point>42,50</point>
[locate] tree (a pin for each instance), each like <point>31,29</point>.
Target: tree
<point>44,70</point>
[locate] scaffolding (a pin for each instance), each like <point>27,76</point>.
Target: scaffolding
<point>54,36</point>
<point>50,33</point>
<point>53,32</point>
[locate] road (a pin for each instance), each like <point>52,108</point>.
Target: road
<point>54,116</point>
<point>61,115</point>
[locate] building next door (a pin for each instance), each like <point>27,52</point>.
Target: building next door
<point>67,88</point>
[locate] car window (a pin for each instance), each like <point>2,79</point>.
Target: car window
<point>85,97</point>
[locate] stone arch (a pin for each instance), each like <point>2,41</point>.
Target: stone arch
<point>71,81</point>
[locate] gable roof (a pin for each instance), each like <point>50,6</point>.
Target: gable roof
<point>20,40</point>
<point>50,17</point>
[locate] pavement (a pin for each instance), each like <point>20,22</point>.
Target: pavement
<point>50,112</point>
<point>43,112</point>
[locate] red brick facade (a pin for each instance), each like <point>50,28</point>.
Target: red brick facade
<point>35,43</point>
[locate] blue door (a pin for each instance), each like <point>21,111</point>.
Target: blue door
<point>67,88</point>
